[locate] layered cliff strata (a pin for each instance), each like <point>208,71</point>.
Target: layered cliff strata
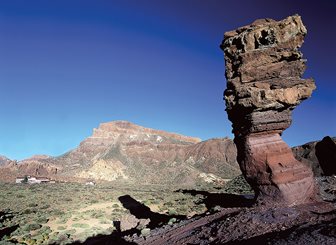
<point>125,152</point>
<point>263,71</point>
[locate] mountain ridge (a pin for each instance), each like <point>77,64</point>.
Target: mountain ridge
<point>123,151</point>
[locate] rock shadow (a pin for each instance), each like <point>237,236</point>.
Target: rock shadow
<point>141,211</point>
<point>115,238</point>
<point>223,200</point>
<point>325,151</point>
<point>6,231</point>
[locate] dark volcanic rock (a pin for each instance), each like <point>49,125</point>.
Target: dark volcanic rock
<point>319,155</point>
<point>264,84</point>
<point>326,155</point>
<point>303,224</point>
<point>306,154</point>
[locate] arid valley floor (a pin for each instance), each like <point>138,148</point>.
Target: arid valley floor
<point>65,213</point>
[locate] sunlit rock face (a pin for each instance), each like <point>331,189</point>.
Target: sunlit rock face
<point>263,70</point>
<point>125,152</point>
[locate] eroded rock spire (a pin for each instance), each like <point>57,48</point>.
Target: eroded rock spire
<point>263,71</point>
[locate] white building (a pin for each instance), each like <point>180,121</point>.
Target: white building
<point>32,180</point>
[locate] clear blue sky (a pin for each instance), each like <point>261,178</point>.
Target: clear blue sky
<point>67,65</point>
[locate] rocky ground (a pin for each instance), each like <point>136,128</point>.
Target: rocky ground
<point>227,216</point>
<point>313,223</point>
<point>256,225</point>
<point>237,221</point>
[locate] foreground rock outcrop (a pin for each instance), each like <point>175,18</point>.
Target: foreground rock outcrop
<point>300,224</point>
<point>263,70</point>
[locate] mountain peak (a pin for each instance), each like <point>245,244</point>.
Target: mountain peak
<point>36,158</point>
<point>4,160</point>
<point>125,129</point>
<point>118,124</point>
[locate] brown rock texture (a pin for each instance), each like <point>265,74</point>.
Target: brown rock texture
<point>4,161</point>
<point>320,156</point>
<point>125,152</point>
<point>263,70</point>
<point>38,165</point>
<point>302,224</point>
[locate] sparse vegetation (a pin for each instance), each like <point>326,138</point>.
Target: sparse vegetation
<point>238,185</point>
<point>68,212</point>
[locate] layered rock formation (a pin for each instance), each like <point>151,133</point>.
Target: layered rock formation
<point>38,165</point>
<point>123,151</point>
<point>127,152</point>
<point>263,71</point>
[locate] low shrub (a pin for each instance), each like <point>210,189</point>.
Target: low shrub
<point>61,228</point>
<point>46,206</point>
<point>31,227</point>
<point>70,231</point>
<point>41,219</point>
<point>115,205</point>
<point>172,212</point>
<point>81,225</point>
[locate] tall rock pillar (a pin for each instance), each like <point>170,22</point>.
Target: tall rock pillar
<point>264,84</point>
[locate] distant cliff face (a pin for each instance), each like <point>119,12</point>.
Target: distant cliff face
<point>36,165</point>
<point>4,160</point>
<point>319,155</point>
<point>124,151</point>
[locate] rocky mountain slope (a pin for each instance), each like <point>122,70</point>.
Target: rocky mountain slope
<point>124,151</point>
<point>4,160</point>
<point>319,155</point>
<point>36,165</point>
